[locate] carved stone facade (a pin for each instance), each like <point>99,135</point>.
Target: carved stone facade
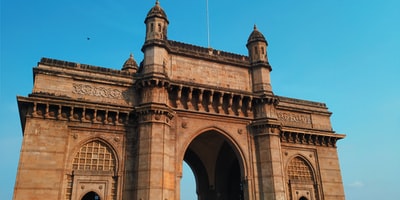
<point>97,133</point>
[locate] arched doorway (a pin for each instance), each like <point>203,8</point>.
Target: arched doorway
<point>216,167</point>
<point>303,198</point>
<point>91,196</point>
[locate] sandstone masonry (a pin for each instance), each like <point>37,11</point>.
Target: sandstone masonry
<point>97,133</point>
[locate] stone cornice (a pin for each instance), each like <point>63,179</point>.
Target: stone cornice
<point>66,109</point>
<point>83,67</point>
<point>302,102</point>
<point>265,126</point>
<point>299,105</point>
<point>210,54</point>
<point>84,76</point>
<point>312,137</point>
<point>154,113</point>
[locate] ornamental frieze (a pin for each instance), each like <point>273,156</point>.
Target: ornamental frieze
<point>85,89</point>
<point>296,119</point>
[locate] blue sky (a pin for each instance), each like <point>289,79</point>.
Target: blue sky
<point>343,53</point>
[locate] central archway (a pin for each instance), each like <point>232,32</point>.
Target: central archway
<point>216,167</point>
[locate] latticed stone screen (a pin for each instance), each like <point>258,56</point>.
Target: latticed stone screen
<point>94,156</point>
<point>299,170</point>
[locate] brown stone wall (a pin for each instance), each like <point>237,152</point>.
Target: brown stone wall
<point>49,147</point>
<point>41,164</point>
<point>76,85</point>
<point>330,173</point>
<point>325,167</point>
<point>321,122</point>
<point>211,74</point>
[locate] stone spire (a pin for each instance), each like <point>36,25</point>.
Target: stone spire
<point>130,65</point>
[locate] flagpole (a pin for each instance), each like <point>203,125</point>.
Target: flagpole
<point>208,25</point>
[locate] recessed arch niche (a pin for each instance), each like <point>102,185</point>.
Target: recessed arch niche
<point>301,179</point>
<point>217,166</point>
<point>94,167</point>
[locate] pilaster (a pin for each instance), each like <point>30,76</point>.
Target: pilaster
<point>266,134</point>
<point>156,170</point>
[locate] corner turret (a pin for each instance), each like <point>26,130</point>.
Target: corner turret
<point>156,24</point>
<point>257,47</point>
<point>154,48</point>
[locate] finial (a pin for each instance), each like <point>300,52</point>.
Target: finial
<point>255,27</point>
<point>131,55</point>
<point>157,3</point>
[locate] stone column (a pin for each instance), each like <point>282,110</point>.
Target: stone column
<point>156,154</point>
<point>268,151</point>
<point>269,163</point>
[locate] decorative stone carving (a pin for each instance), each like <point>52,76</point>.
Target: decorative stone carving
<point>294,117</point>
<point>90,90</point>
<point>184,125</point>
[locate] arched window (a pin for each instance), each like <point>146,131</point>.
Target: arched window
<point>303,198</point>
<point>299,171</point>
<point>94,156</point>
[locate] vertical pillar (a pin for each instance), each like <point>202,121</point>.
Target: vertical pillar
<point>269,162</point>
<point>267,142</point>
<point>156,154</point>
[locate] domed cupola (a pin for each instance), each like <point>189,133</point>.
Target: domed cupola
<point>156,11</point>
<point>130,65</point>
<point>256,36</point>
<point>257,46</point>
<point>156,23</point>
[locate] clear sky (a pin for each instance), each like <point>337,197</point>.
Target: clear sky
<point>345,53</point>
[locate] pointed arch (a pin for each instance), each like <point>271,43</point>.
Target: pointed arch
<point>93,160</point>
<point>300,170</point>
<point>95,155</point>
<point>217,162</point>
<point>236,147</point>
<point>302,179</point>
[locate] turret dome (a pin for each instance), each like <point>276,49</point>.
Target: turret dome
<point>156,11</point>
<point>256,36</point>
<point>130,65</point>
